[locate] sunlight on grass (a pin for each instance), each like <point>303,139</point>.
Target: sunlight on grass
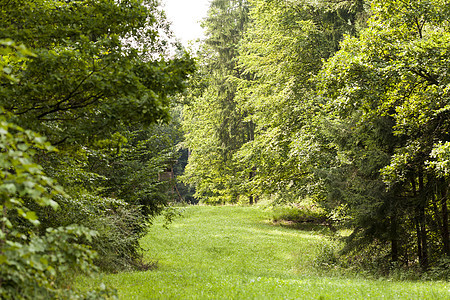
<point>233,253</point>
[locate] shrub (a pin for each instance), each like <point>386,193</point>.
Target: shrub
<point>300,213</point>
<point>440,271</point>
<point>328,256</point>
<point>41,266</point>
<point>119,228</point>
<point>34,266</point>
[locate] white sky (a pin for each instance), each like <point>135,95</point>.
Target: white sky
<point>186,16</point>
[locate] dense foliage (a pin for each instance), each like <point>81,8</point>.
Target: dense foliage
<point>216,133</point>
<point>95,77</point>
<point>34,265</point>
<point>347,101</point>
<point>392,82</point>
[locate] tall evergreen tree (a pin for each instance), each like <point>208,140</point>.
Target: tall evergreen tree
<point>216,128</point>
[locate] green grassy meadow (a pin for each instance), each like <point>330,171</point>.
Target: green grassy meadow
<point>230,252</point>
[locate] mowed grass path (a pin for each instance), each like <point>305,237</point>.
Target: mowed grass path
<point>232,252</point>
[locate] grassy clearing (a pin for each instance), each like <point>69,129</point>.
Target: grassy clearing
<point>234,253</point>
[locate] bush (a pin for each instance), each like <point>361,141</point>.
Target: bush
<point>300,213</point>
<point>369,261</point>
<point>328,256</point>
<point>34,265</point>
<point>440,271</point>
<point>41,266</point>
<point>119,228</point>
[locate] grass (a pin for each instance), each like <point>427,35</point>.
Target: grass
<point>231,252</point>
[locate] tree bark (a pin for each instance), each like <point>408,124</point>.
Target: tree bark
<point>394,239</point>
<point>422,222</point>
<point>419,240</point>
<point>424,238</point>
<point>416,219</point>
<point>445,231</point>
<point>252,199</point>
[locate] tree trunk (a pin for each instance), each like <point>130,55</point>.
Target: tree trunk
<point>422,223</point>
<point>437,212</point>
<point>416,219</point>
<point>424,238</point>
<point>250,177</point>
<point>445,232</point>
<point>419,221</point>
<point>419,240</point>
<point>394,239</point>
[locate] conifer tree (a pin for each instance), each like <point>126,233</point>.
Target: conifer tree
<point>216,128</point>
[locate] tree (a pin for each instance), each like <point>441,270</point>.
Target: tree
<point>91,74</point>
<point>32,265</point>
<point>216,128</point>
<point>101,70</point>
<point>282,51</point>
<point>397,70</point>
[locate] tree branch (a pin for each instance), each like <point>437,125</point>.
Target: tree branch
<point>86,102</point>
<point>425,75</point>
